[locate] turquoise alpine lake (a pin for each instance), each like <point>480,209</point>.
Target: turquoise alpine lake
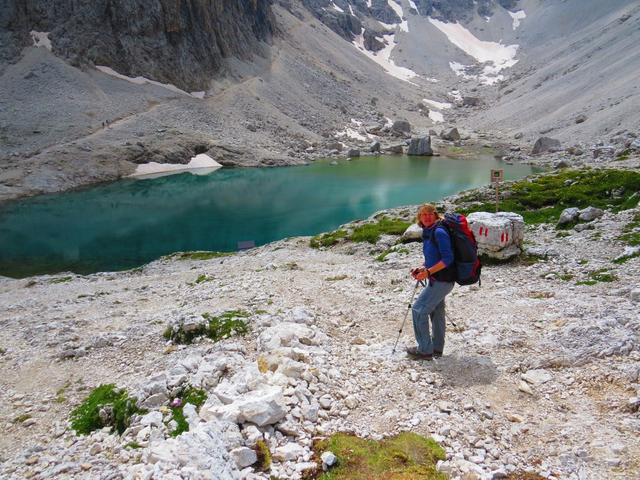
<point>128,223</point>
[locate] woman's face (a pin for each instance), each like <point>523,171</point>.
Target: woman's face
<point>428,218</point>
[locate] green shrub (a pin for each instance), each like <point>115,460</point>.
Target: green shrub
<point>230,323</point>
<point>264,456</point>
<point>405,456</point>
<point>195,397</point>
<point>85,418</point>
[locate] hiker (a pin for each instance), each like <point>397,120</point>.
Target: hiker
<point>439,272</point>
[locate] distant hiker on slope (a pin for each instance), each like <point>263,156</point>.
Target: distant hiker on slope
<point>439,271</point>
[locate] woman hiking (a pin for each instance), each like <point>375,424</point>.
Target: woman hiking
<point>439,271</point>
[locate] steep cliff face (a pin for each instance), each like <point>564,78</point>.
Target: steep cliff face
<point>183,42</point>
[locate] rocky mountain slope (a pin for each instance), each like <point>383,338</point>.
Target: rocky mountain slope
<point>287,82</point>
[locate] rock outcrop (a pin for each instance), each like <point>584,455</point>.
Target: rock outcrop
<point>182,43</point>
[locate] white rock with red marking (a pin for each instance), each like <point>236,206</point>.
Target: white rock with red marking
<point>499,235</point>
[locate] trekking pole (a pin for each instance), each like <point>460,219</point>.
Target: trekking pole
<point>455,326</point>
<point>415,289</point>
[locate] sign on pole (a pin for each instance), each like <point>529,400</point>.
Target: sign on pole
<point>497,176</point>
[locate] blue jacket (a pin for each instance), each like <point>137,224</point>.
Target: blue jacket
<point>436,246</point>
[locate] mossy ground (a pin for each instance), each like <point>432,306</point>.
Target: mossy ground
<point>541,199</point>
<point>407,456</point>
<point>85,418</point>
<point>368,232</point>
<point>200,255</point>
<point>228,324</point>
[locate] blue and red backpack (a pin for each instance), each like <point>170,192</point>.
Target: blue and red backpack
<point>465,249</point>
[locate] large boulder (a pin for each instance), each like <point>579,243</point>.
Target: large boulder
<point>452,135</point>
<point>545,144</point>
<point>569,215</point>
<point>401,127</point>
<point>499,235</point>
<point>412,234</point>
<point>590,213</point>
<point>420,146</point>
<point>399,148</point>
<point>471,101</point>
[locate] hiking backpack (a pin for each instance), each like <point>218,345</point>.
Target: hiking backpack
<point>465,249</point>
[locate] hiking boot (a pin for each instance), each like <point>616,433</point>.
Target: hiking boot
<point>415,354</point>
<point>437,354</point>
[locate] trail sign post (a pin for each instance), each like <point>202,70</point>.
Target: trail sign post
<point>497,176</point>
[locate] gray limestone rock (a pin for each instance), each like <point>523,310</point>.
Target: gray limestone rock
<point>401,126</point>
<point>452,135</point>
<point>569,215</point>
<point>590,213</point>
<point>545,144</point>
<point>420,146</point>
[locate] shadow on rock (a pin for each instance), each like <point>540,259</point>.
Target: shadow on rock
<point>466,370</point>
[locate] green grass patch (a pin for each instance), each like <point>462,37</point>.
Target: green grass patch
<point>133,445</point>
<point>60,398</point>
<point>383,256</point>
<point>403,457</point>
<point>602,275</point>
<point>621,260</point>
<point>228,324</point>
<point>566,277</point>
<point>22,418</point>
<point>200,255</point>
<point>631,231</point>
<point>61,279</point>
<point>327,239</point>
<point>264,456</point>
<point>541,199</point>
<point>85,418</point>
<point>337,278</point>
<point>191,395</point>
<point>624,155</point>
<point>371,232</point>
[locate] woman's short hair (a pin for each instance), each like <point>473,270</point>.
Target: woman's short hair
<point>427,208</point>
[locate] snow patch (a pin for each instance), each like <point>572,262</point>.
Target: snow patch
<point>434,114</point>
<point>497,55</point>
<point>201,164</point>
<point>335,7</point>
<point>41,39</point>
<point>144,81</point>
<point>412,4</point>
<point>383,57</point>
<point>404,24</point>
<point>437,105</point>
<point>351,10</point>
<point>517,16</point>
<point>437,117</point>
